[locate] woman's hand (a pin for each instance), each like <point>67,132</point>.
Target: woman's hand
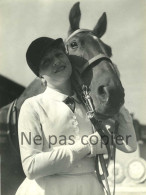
<point>96,145</point>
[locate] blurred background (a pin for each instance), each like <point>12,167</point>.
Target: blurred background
<point>23,21</point>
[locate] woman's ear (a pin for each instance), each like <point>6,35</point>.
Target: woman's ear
<point>40,76</point>
<point>43,81</point>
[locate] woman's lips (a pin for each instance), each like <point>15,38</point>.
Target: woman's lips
<point>59,69</point>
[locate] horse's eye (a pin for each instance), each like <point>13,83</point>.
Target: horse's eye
<point>74,45</point>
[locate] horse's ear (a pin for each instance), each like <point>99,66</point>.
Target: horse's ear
<point>101,25</point>
<point>74,17</point>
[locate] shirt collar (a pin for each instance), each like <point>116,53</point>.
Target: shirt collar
<point>56,95</point>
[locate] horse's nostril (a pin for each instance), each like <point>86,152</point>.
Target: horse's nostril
<point>101,90</point>
<point>103,93</point>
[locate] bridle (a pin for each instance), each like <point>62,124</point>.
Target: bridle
<point>96,59</point>
<point>84,94</point>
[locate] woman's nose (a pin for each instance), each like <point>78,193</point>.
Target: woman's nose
<point>56,62</point>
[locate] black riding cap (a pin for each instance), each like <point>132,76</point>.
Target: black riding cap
<point>37,50</point>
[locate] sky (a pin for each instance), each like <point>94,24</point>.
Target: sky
<point>22,21</point>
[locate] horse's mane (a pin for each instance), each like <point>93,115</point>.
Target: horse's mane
<point>107,48</point>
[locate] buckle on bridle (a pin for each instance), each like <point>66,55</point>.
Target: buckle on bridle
<point>85,89</point>
<point>90,114</point>
<point>88,101</point>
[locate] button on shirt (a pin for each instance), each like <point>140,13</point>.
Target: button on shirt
<point>47,131</point>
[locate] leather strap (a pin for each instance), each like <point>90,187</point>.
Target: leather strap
<point>76,32</point>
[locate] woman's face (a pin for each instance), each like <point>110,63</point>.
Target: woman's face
<point>55,66</point>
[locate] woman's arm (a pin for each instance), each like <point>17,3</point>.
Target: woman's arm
<point>125,137</point>
<point>35,162</point>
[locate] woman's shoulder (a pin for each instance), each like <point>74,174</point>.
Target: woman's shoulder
<point>32,102</point>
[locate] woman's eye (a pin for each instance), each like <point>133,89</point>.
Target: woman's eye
<point>74,45</point>
<point>46,62</point>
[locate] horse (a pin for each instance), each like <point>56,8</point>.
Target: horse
<point>90,58</point>
<point>106,89</point>
<point>95,78</point>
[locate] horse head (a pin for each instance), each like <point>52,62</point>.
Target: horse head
<point>90,57</point>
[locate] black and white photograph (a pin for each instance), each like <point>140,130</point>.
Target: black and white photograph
<point>72,97</point>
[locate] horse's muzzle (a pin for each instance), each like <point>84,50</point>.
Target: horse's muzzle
<point>111,99</point>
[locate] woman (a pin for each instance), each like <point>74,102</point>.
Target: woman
<point>55,157</point>
<point>57,142</point>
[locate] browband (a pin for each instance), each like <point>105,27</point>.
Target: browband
<point>77,31</point>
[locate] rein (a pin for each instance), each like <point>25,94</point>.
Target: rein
<point>98,127</point>
<point>97,124</point>
<point>84,94</point>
